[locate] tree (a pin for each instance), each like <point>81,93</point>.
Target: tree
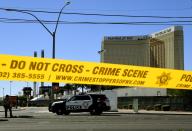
<point>82,86</point>
<point>94,88</point>
<point>27,91</point>
<point>68,87</point>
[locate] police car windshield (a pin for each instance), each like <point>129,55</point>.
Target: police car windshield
<point>95,96</point>
<point>79,97</point>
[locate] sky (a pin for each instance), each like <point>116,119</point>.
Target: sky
<point>82,41</point>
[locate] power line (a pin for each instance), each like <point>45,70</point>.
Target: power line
<point>135,10</point>
<point>93,23</point>
<point>129,10</point>
<point>104,15</point>
<point>8,20</point>
<point>28,20</point>
<point>25,20</point>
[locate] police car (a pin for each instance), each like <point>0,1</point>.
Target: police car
<point>93,103</point>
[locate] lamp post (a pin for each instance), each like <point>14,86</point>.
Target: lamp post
<point>53,34</point>
<point>10,87</point>
<point>101,59</point>
<point>3,93</point>
<point>101,54</point>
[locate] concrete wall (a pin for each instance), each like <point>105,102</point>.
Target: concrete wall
<point>112,96</point>
<point>140,92</point>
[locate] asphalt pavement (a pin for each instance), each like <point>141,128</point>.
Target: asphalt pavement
<point>120,111</point>
<point>40,119</point>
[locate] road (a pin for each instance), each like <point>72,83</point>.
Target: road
<point>39,119</point>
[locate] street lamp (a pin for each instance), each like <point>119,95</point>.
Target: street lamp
<point>3,93</point>
<point>10,87</point>
<point>101,54</point>
<point>101,51</point>
<point>53,34</point>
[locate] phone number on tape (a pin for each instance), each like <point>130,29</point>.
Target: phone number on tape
<point>21,75</point>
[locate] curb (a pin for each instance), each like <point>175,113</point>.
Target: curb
<point>3,119</point>
<point>141,113</point>
<point>154,112</point>
<point>20,109</point>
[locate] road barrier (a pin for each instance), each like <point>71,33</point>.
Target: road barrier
<point>23,68</point>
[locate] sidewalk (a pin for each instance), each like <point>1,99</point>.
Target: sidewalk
<point>126,111</point>
<point>120,111</point>
<point>13,109</point>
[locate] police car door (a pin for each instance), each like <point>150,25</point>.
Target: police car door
<point>80,102</point>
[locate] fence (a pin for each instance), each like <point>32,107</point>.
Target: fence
<point>151,102</point>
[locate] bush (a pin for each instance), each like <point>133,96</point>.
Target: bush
<point>165,108</point>
<point>1,103</point>
<point>22,101</point>
<point>125,107</point>
<point>157,107</point>
<point>120,107</point>
<point>188,108</point>
<point>130,106</point>
<point>149,108</point>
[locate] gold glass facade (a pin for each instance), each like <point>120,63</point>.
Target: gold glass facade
<point>126,52</point>
<point>174,49</point>
<point>157,53</point>
<point>163,49</point>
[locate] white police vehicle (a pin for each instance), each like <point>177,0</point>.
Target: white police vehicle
<point>93,103</point>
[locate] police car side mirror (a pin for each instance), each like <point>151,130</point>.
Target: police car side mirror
<point>68,100</point>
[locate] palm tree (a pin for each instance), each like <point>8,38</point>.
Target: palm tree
<point>82,86</point>
<point>68,87</point>
<point>27,91</point>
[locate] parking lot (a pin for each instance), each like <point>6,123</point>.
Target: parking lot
<point>39,119</point>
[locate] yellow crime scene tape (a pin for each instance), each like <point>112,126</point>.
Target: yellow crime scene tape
<point>55,70</point>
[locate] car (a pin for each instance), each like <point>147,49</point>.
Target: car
<point>53,105</point>
<point>93,103</point>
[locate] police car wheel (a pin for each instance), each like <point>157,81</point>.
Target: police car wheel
<point>59,112</point>
<point>99,112</point>
<point>93,111</point>
<point>66,112</point>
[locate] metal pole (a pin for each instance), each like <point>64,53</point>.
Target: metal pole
<point>35,83</point>
<point>101,53</point>
<point>42,56</point>
<point>10,87</point>
<point>53,55</point>
<point>53,34</point>
<point>3,93</point>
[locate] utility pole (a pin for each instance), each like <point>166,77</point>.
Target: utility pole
<point>53,34</point>
<point>42,56</point>
<point>10,87</point>
<point>35,83</point>
<point>101,53</point>
<point>3,93</point>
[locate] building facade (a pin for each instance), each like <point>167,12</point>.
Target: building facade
<point>163,49</point>
<point>174,46</point>
<point>126,50</point>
